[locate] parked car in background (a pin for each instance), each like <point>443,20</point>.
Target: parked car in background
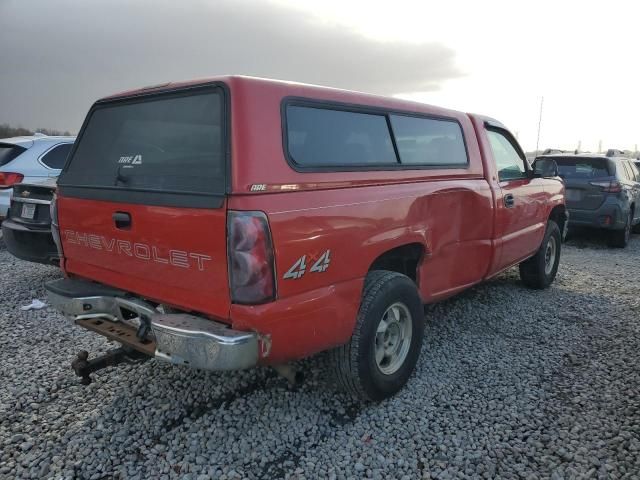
<point>602,191</point>
<point>27,228</point>
<point>31,159</point>
<point>549,151</point>
<point>323,222</point>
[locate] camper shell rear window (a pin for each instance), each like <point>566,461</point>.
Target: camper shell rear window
<point>161,149</point>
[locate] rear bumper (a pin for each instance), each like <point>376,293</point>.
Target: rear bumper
<point>176,338</point>
<point>31,244</point>
<point>609,216</point>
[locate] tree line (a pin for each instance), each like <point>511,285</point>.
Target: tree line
<point>7,131</point>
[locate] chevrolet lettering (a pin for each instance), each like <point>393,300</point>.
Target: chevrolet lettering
<point>141,251</point>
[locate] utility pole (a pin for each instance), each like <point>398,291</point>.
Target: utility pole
<point>600,146</point>
<point>539,124</point>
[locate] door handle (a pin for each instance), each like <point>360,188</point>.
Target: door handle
<point>122,220</point>
<point>509,201</point>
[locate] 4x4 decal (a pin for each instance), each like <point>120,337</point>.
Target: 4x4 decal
<point>322,263</point>
<point>299,268</point>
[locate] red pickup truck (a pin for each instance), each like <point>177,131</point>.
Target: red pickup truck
<point>236,221</point>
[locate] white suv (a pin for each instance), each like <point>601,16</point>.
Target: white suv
<point>31,159</point>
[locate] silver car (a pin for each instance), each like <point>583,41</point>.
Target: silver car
<point>32,159</point>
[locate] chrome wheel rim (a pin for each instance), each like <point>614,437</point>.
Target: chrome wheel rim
<point>393,338</point>
<point>550,255</point>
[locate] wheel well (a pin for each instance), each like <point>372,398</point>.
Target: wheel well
<point>559,215</point>
<point>404,259</point>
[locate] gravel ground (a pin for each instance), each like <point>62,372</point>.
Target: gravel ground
<point>510,383</point>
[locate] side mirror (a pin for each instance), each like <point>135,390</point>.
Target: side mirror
<point>545,168</point>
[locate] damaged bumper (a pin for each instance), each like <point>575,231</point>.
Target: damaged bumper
<point>178,338</point>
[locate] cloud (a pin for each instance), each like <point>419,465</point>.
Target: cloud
<point>58,57</point>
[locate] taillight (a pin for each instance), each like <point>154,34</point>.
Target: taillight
<point>609,187</point>
<point>251,269</point>
<point>9,179</point>
<point>55,227</point>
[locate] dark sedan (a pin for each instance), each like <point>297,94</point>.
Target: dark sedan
<point>27,228</point>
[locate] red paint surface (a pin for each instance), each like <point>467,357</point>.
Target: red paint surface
<point>458,216</point>
<point>162,229</point>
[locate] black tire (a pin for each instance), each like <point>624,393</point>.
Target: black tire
<point>533,271</point>
<point>354,363</point>
<point>620,238</point>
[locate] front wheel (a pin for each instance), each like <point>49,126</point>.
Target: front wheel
<point>386,342</point>
<point>540,270</point>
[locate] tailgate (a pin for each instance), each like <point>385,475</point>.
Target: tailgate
<point>30,204</point>
<point>579,174</point>
<point>142,203</point>
<point>581,195</point>
<point>175,256</point>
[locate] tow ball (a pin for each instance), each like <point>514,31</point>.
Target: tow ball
<point>294,376</point>
<point>84,367</point>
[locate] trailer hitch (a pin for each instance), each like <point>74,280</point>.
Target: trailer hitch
<point>84,367</point>
<point>293,375</point>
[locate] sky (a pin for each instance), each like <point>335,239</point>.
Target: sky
<point>497,58</point>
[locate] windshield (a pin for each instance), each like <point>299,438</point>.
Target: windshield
<point>582,167</point>
<point>171,143</point>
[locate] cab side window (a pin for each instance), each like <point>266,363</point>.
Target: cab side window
<point>509,163</point>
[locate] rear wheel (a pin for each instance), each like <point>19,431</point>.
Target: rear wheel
<point>620,238</point>
<point>540,270</point>
<point>386,342</point>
